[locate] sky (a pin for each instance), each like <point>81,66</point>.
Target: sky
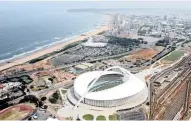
<point>106,4</point>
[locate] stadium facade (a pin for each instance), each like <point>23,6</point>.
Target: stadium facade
<point>112,87</point>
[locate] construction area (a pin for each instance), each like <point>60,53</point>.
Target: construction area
<point>144,54</point>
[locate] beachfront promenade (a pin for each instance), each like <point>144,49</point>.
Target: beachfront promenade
<point>51,49</point>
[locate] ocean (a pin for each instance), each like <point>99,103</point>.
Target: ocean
<point>26,27</point>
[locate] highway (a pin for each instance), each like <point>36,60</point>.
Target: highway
<point>55,87</point>
<point>73,64</point>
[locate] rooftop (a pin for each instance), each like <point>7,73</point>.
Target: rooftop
<point>131,86</point>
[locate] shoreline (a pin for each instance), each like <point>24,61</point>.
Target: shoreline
<point>50,49</point>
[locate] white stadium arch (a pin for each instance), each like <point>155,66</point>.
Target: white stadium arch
<point>112,87</point>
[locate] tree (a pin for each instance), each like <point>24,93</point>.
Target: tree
<point>28,90</point>
<point>51,79</point>
<point>52,100</point>
<point>31,86</point>
<point>31,98</point>
<point>45,106</point>
<point>40,104</point>
<point>43,98</point>
<point>55,95</point>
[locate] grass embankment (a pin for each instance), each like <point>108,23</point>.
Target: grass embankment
<point>174,56</point>
<point>114,117</point>
<point>88,117</point>
<point>100,118</point>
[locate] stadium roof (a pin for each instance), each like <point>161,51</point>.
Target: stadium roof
<point>131,86</point>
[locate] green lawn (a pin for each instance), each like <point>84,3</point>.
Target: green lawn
<point>88,117</point>
<point>114,117</point>
<point>104,87</point>
<point>101,118</point>
<point>174,56</point>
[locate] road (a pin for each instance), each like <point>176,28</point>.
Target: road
<point>73,64</point>
<point>55,87</point>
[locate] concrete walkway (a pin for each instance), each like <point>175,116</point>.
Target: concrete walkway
<point>69,112</point>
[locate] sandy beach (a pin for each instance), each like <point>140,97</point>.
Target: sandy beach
<point>50,49</point>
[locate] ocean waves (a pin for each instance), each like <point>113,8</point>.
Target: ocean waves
<point>36,46</point>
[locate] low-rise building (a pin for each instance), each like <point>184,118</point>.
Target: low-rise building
<point>7,88</point>
<point>171,77</point>
<point>159,81</point>
<point>84,66</point>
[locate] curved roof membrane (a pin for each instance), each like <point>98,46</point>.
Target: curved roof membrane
<point>110,84</point>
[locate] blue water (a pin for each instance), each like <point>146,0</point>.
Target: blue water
<point>25,27</point>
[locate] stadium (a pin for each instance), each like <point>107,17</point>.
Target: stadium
<point>113,87</point>
<point>96,41</point>
<point>18,112</point>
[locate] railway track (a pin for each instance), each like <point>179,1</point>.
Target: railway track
<point>180,101</point>
<point>186,104</point>
<point>180,64</point>
<point>175,104</point>
<point>157,100</point>
<point>153,98</point>
<point>172,86</point>
<point>176,97</point>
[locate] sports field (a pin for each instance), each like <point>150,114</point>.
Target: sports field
<point>17,112</point>
<point>104,87</point>
<point>175,55</point>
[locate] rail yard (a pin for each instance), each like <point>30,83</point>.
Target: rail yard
<point>172,101</point>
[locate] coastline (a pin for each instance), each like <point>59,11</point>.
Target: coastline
<point>50,49</point>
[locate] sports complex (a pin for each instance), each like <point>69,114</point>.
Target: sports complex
<point>114,87</point>
<point>17,112</point>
